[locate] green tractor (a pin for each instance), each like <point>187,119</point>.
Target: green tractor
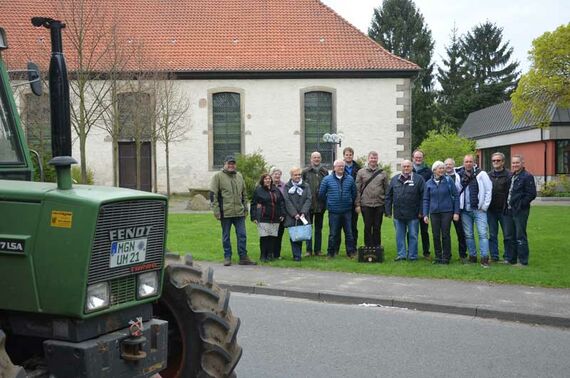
<point>86,288</point>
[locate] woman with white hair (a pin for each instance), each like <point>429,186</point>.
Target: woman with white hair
<point>441,204</point>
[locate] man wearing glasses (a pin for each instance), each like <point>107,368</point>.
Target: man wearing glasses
<point>497,213</point>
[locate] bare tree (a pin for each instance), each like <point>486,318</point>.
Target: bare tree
<point>87,32</point>
<point>171,125</point>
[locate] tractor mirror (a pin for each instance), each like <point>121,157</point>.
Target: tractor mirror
<point>34,78</point>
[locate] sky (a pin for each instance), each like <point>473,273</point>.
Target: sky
<point>522,20</point>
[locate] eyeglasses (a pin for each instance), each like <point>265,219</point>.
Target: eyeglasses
<point>496,160</point>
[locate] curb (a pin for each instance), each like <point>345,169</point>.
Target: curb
<point>473,311</point>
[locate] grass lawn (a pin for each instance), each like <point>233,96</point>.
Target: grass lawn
<point>200,234</point>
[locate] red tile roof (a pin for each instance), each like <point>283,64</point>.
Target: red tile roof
<point>205,36</point>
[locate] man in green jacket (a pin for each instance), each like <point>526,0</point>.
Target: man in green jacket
<point>227,196</point>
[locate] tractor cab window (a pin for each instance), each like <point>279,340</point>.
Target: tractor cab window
<point>10,152</point>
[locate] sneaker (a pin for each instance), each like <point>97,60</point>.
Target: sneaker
<point>227,261</point>
<point>308,254</point>
<point>519,265</point>
<point>485,262</point>
<point>400,259</point>
<point>506,262</point>
<point>246,261</point>
<point>473,259</point>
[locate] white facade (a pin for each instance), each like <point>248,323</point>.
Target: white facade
<point>365,110</point>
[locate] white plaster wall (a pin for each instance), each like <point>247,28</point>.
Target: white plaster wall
<point>365,109</point>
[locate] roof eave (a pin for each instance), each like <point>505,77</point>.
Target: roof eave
<point>296,74</point>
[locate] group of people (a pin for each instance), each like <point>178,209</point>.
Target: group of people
<point>415,198</point>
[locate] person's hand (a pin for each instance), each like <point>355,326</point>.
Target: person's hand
<point>456,217</point>
<point>357,209</point>
<point>297,216</point>
<point>426,220</point>
<point>255,221</point>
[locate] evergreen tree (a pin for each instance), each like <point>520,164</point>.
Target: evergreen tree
<point>491,75</point>
<point>400,28</point>
<point>452,80</point>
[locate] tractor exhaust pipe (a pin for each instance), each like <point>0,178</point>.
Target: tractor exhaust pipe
<point>59,104</point>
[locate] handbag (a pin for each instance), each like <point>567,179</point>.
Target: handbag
<point>301,233</point>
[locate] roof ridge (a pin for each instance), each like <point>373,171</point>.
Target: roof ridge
<point>377,44</point>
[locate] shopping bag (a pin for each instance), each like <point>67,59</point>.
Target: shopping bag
<point>300,233</point>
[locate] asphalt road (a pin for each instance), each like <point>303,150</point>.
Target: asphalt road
<point>285,337</point>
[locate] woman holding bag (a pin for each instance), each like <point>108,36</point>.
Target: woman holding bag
<point>297,206</point>
<point>267,210</point>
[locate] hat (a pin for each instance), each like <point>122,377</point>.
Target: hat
<point>230,158</point>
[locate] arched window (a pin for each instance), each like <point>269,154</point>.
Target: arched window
<point>318,111</point>
<point>226,111</point>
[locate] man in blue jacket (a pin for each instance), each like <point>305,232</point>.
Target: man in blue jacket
<point>521,193</point>
<point>338,190</point>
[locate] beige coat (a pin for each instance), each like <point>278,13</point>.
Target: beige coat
<point>375,192</point>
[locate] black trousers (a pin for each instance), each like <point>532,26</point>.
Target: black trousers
<point>317,222</point>
<point>460,238</point>
<point>267,245</point>
<point>425,237</point>
<point>440,227</point>
<point>277,251</point>
<point>372,225</point>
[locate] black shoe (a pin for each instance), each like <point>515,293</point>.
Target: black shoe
<point>298,259</point>
<point>436,261</point>
<point>246,261</point>
<point>427,256</point>
<point>473,259</point>
<point>400,259</point>
<point>485,262</point>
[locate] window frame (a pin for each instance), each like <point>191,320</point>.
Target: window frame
<point>211,93</point>
<point>331,148</point>
<point>556,158</point>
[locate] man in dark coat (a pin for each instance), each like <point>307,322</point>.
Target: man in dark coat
<point>351,168</point>
<point>521,193</point>
<point>313,175</point>
<point>404,202</point>
<point>423,170</point>
<point>496,214</point>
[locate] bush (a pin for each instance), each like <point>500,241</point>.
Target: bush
<point>76,175</point>
<point>445,143</point>
<point>559,187</point>
<point>251,166</point>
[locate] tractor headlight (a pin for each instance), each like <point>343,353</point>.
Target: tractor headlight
<point>97,297</point>
<point>147,284</point>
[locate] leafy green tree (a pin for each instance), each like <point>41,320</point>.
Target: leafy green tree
<point>251,166</point>
<point>443,144</point>
<point>548,81</point>
<point>490,73</point>
<point>400,28</point>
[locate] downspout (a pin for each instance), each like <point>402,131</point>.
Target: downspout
<point>545,155</point>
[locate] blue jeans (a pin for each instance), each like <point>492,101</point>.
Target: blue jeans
<point>520,241</point>
<point>495,219</point>
<point>336,223</point>
<point>411,227</point>
<point>479,218</point>
<point>239,224</point>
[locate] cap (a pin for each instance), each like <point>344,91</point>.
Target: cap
<point>230,158</point>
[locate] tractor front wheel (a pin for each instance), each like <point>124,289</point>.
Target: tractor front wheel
<point>201,327</point>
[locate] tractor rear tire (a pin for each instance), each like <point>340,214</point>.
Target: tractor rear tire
<point>201,327</point>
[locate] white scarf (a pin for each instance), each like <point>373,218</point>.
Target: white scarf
<point>296,188</point>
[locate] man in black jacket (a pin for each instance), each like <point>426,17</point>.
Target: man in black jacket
<point>423,170</point>
<point>521,193</point>
<point>496,214</point>
<point>404,201</point>
<point>313,175</point>
<point>351,168</point>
